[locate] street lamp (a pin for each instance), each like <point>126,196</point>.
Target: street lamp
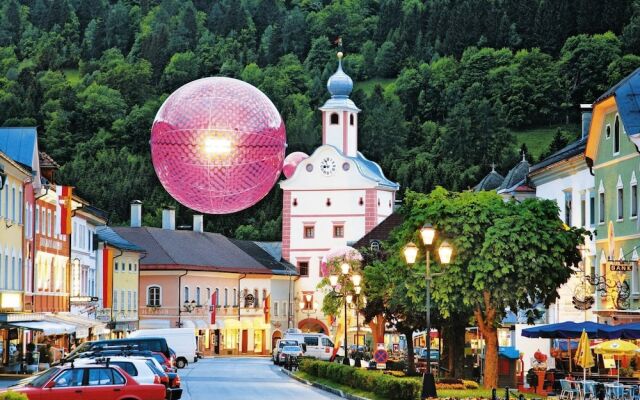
<point>348,298</point>
<point>445,251</point>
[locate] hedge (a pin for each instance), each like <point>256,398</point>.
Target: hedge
<point>386,386</point>
<point>13,396</point>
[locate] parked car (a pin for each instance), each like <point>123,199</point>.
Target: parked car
<point>280,343</point>
<point>103,382</point>
<point>290,351</point>
<point>181,340</point>
<point>158,344</point>
<point>316,345</point>
<point>164,361</point>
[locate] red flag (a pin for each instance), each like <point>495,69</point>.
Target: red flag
<point>107,277</point>
<point>63,210</point>
<point>267,309</point>
<point>214,305</point>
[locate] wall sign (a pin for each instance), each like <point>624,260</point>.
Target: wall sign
<point>620,266</point>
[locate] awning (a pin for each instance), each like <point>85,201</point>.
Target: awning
<point>46,327</point>
<point>218,325</point>
<point>155,324</point>
<point>187,323</point>
<point>82,324</point>
<point>232,324</point>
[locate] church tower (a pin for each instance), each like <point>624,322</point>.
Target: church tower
<point>331,198</point>
<point>340,114</point>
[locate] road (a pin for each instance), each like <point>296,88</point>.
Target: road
<point>238,379</point>
<point>241,379</point>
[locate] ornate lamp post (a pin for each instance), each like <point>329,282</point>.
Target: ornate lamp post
<point>445,251</point>
<point>348,298</point>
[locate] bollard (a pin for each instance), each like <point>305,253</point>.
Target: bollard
<point>493,394</point>
<point>506,393</point>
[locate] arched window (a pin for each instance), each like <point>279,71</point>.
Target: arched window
<point>616,135</point>
<point>256,298</point>
<point>198,296</point>
<point>334,119</point>
<point>218,298</point>
<point>153,296</point>
<point>186,294</point>
<point>226,297</point>
<point>351,119</point>
<point>235,297</point>
<point>208,299</point>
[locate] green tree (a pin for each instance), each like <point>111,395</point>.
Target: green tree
<point>506,254</point>
<point>182,68</point>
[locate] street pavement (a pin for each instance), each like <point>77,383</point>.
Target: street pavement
<point>238,378</point>
<point>243,378</point>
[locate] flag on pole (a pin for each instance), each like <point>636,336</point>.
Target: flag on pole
<point>107,277</point>
<point>214,305</point>
<point>267,309</point>
<point>63,210</point>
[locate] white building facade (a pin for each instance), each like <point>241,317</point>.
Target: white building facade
<point>332,199</point>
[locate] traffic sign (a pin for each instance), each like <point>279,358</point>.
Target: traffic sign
<point>381,356</point>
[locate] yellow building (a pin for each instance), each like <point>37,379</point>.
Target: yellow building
<point>12,224</point>
<point>118,277</point>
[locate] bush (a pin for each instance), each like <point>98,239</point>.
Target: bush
<point>471,384</point>
<point>387,386</point>
<point>13,396</point>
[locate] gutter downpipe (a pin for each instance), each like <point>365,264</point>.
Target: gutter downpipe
<point>179,297</point>
<point>239,313</point>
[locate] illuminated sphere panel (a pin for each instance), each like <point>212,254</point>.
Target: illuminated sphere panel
<point>217,145</point>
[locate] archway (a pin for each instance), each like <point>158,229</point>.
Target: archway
<point>313,325</point>
<point>274,338</point>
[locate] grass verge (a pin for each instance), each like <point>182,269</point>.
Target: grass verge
<point>539,139</point>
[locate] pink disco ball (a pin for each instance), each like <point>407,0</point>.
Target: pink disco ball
<point>292,161</point>
<point>217,145</point>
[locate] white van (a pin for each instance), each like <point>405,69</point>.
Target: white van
<point>181,340</point>
<point>318,345</point>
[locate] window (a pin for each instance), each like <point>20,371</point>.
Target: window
<point>128,300</point>
<point>338,231</point>
<point>122,300</point>
<point>309,232</point>
<point>218,297</point>
<point>303,268</point>
<point>37,219</point>
<point>601,208</point>
<point>583,210</point>
<point>49,223</point>
<point>351,119</point>
<point>311,340</point>
<point>115,300</point>
<point>135,300</point>
<point>226,297</point>
<point>275,309</point>
<point>567,207</point>
<point>198,296</point>
<point>116,266</point>
<point>634,200</point>
<point>208,295</point>
<point>69,378</point>
<point>20,200</point>
<point>13,204</point>
<point>256,299</point>
<point>616,136</point>
<point>6,202</point>
<point>235,297</point>
<point>592,208</point>
<point>620,204</point>
<point>104,376</point>
<point>130,267</point>
<point>335,119</point>
<point>128,367</point>
<point>186,294</point>
<point>607,130</point>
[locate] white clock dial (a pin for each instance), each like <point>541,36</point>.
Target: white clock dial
<point>328,166</point>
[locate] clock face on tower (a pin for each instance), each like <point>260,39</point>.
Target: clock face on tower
<point>328,166</point>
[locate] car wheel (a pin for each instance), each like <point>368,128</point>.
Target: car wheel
<point>181,363</point>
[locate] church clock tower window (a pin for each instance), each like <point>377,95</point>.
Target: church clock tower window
<point>335,119</point>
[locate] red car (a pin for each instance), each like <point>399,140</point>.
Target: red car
<point>164,361</point>
<point>97,382</point>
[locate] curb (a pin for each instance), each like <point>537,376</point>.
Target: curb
<point>326,388</point>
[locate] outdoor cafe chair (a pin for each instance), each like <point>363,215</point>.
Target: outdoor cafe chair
<point>568,391</point>
<point>615,391</point>
<point>589,389</point>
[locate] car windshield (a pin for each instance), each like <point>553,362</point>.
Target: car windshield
<point>287,343</point>
<point>292,348</point>
<point>43,378</point>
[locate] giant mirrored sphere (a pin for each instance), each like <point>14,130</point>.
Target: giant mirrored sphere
<point>217,145</point>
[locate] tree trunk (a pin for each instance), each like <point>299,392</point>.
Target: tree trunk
<point>485,315</point>
<point>456,351</point>
<point>411,360</point>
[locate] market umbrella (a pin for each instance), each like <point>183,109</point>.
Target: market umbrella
<point>584,358</point>
<point>616,348</point>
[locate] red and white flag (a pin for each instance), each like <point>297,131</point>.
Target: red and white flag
<point>63,210</point>
<point>214,305</point>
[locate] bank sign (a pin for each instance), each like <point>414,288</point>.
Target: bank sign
<point>620,266</point>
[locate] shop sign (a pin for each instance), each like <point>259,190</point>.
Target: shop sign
<point>82,299</point>
<point>620,266</point>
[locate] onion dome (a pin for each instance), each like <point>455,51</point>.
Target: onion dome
<point>340,84</point>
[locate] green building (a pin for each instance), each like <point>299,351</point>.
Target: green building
<point>614,161</point>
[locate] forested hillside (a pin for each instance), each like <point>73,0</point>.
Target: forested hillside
<point>442,83</point>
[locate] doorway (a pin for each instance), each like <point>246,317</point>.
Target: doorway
<point>245,340</point>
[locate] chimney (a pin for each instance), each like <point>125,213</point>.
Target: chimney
<point>586,119</point>
<point>198,224</point>
<point>136,214</point>
<point>169,218</point>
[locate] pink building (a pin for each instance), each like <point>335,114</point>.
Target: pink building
<point>218,286</point>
